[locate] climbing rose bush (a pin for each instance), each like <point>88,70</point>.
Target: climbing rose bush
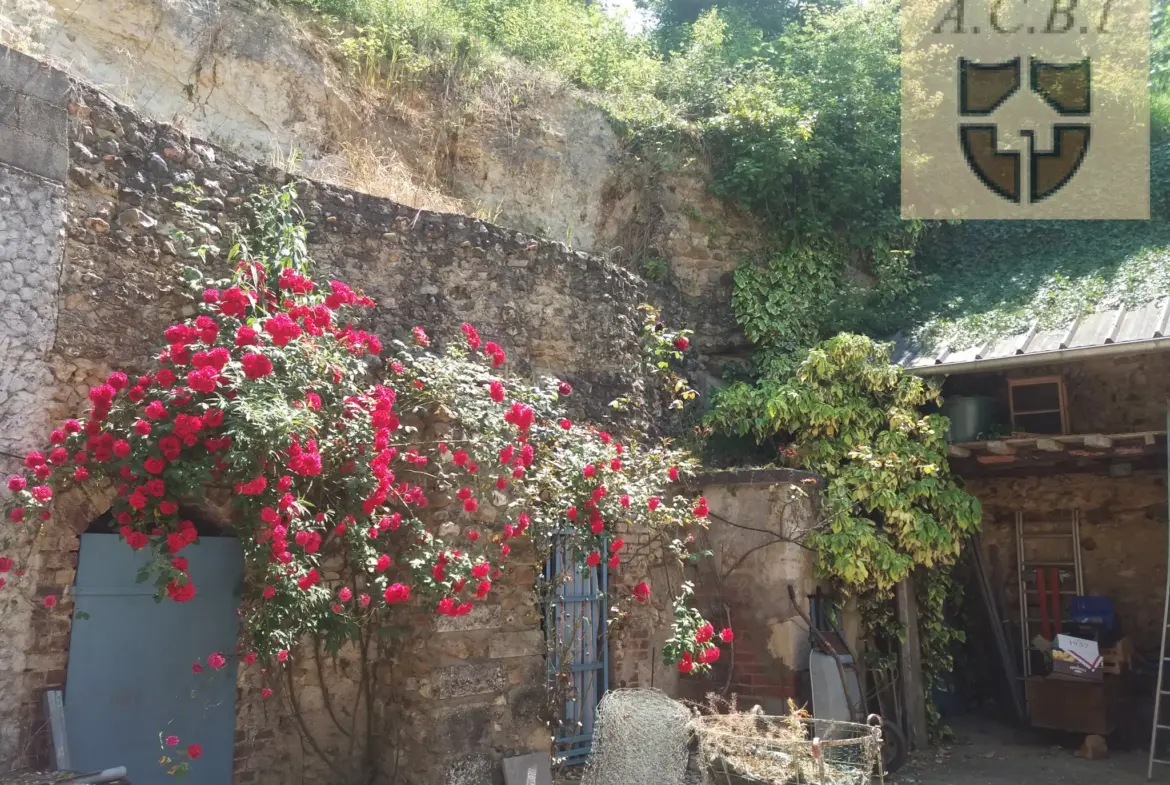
<point>361,477</point>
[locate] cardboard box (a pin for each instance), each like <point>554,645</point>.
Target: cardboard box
<point>1076,658</point>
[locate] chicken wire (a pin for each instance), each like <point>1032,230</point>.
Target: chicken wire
<point>640,738</point>
<point>751,748</point>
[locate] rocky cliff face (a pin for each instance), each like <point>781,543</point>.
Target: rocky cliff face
<point>527,152</point>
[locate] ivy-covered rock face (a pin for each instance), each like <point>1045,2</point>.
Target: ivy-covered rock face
<point>332,447</point>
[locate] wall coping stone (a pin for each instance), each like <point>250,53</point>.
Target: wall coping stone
<point>756,477</point>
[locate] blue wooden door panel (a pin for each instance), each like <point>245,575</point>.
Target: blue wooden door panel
<point>129,676</point>
<point>577,620</point>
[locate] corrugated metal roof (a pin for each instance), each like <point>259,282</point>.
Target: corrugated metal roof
<point>1139,329</point>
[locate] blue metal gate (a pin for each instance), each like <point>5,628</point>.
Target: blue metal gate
<point>129,676</point>
<point>579,660</point>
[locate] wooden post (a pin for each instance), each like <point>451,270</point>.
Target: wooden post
<point>55,712</point>
<point>910,663</point>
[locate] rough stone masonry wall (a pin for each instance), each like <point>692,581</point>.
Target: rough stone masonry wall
<point>33,163</point>
<point>758,520</point>
<point>450,701</point>
<point>1123,519</point>
<point>525,147</point>
<point>99,295</point>
<point>1105,395</point>
<point>1123,539</point>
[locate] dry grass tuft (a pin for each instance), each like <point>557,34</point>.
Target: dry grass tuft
<point>360,166</point>
<point>24,25</point>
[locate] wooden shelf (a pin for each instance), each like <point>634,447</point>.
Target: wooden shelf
<point>1022,450</point>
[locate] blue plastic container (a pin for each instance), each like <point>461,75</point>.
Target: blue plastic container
<point>1092,610</point>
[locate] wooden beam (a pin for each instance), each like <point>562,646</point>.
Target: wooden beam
<point>997,458</point>
<point>1148,438</point>
<point>1049,445</point>
<point>1097,441</point>
<point>55,711</point>
<point>1000,448</point>
<point>910,665</point>
<point>958,452</point>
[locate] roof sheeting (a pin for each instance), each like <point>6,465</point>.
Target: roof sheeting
<point>1138,329</point>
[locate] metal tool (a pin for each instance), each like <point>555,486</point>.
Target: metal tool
<point>1157,724</point>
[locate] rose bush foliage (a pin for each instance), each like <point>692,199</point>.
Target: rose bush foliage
<point>332,446</point>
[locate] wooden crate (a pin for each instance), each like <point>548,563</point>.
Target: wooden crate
<point>1117,659</point>
<point>1073,706</point>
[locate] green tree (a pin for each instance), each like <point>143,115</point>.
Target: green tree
<point>890,503</point>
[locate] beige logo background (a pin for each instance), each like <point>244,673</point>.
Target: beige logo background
<point>1109,39</point>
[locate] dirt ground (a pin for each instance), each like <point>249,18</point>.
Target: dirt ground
<point>986,753</point>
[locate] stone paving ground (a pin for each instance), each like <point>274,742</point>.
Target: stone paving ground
<point>987,753</point>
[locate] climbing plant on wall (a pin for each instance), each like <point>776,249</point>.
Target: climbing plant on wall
<point>323,440</point>
<point>890,502</point>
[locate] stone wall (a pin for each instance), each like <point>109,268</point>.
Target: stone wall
<point>524,148</point>
<point>1105,395</point>
<point>96,258</point>
<point>33,162</point>
<point>757,524</point>
<point>451,699</point>
<point>1123,518</point>
<point>556,311</point>
<point>1123,539</point>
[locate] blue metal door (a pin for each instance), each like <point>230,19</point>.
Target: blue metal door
<point>129,677</point>
<point>579,663</point>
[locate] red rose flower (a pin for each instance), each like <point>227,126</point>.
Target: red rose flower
<point>727,636</point>
<point>396,593</point>
<point>246,336</point>
<point>256,366</point>
<point>471,335</point>
<point>681,344</point>
<point>194,751</point>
